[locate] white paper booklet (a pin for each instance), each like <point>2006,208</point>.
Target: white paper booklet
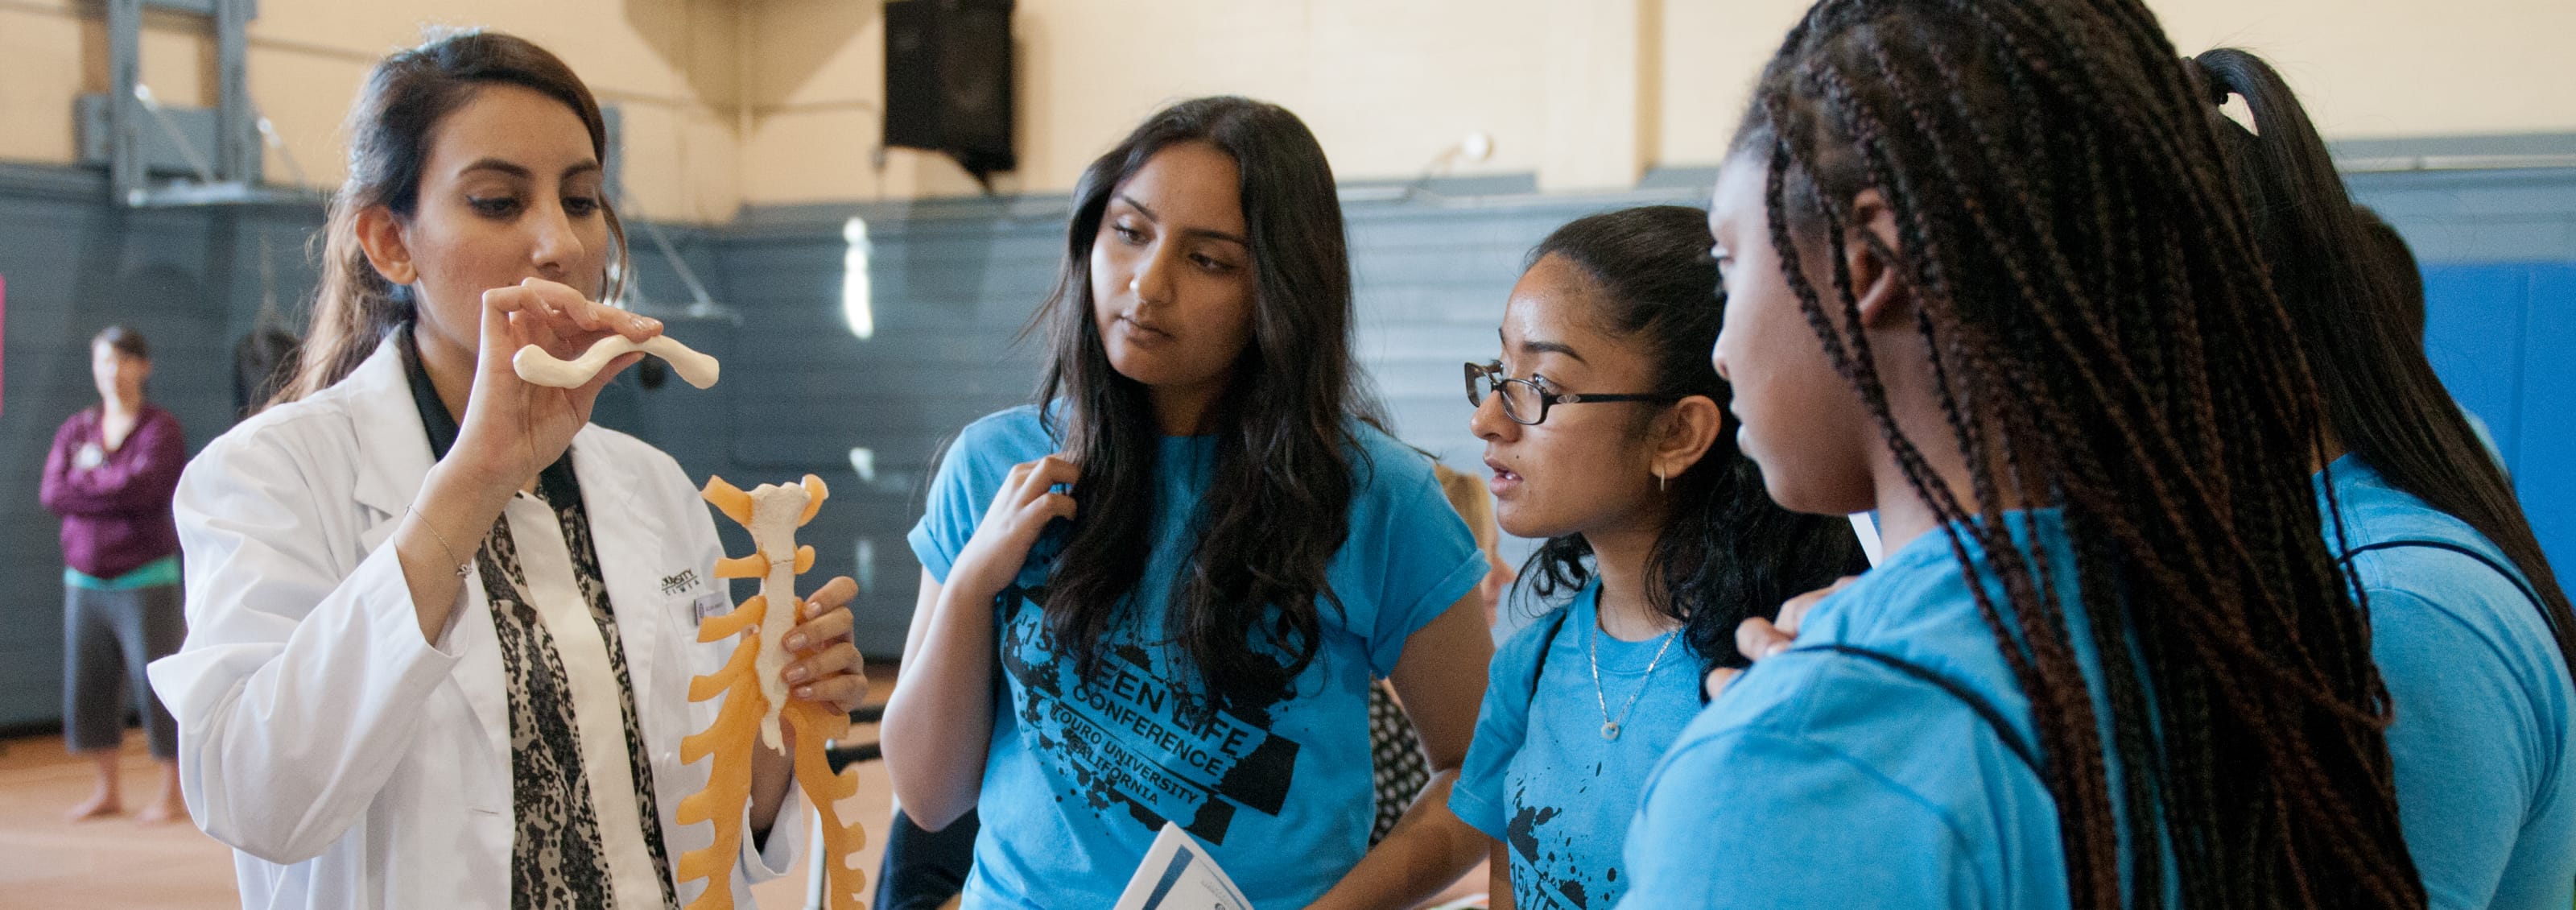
<point>1178,874</point>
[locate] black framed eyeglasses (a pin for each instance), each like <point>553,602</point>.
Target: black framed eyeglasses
<point>1526,402</point>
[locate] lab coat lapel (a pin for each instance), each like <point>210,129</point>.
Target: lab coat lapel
<point>631,543</point>
<point>393,462</point>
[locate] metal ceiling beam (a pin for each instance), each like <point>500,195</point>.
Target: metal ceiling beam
<point>226,158</point>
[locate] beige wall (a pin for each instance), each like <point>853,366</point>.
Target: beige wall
<point>50,54</point>
<point>728,102</point>
<point>1387,86</point>
<point>2364,68</point>
<point>670,66</point>
<point>40,73</point>
<point>2389,68</point>
<point>667,65</point>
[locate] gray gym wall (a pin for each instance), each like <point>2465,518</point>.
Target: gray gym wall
<point>954,282</point>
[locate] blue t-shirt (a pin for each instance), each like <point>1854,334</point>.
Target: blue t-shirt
<point>1540,776</point>
<point>1828,779</point>
<point>2481,737</point>
<point>1082,773</point>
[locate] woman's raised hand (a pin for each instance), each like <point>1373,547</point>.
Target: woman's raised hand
<point>1021,508</point>
<point>827,667</point>
<point>513,428</point>
<point>1757,638</point>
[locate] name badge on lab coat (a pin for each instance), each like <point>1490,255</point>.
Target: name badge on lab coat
<point>712,603</point>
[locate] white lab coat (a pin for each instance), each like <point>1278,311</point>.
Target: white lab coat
<point>348,762</point>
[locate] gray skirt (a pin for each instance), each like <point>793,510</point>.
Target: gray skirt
<point>108,637</point>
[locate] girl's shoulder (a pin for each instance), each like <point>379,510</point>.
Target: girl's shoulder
<point>1551,642</point>
<point>1565,622</point>
<point>1527,648</point>
<point>979,458</point>
<point>1005,437</point>
<point>1384,468</point>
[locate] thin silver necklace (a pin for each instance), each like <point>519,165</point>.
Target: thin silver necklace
<point>1592,650</point>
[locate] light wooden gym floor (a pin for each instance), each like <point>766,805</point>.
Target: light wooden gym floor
<point>47,862</point>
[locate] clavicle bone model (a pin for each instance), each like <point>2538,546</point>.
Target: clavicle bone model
<point>533,364</point>
<point>755,701</point>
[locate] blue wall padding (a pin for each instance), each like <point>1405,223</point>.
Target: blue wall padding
<point>2503,338</point>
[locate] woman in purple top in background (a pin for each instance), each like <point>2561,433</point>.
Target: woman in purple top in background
<point>110,476</point>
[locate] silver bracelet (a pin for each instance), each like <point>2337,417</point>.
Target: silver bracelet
<point>464,568</point>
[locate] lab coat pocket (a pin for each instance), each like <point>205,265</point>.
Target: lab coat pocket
<point>682,658</point>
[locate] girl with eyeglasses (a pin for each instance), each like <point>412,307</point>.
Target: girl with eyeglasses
<point>1603,431</point>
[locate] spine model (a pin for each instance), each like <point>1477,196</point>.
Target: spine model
<point>756,702</point>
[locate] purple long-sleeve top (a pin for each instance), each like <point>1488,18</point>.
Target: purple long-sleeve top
<point>116,514</point>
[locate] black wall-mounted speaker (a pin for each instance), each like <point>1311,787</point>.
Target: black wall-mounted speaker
<point>948,81</point>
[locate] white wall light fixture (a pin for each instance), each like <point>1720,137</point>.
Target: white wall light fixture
<point>858,305</point>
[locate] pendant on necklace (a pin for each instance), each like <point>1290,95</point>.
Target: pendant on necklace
<point>1609,729</point>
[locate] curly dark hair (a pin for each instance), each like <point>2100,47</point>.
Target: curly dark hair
<point>1726,551</point>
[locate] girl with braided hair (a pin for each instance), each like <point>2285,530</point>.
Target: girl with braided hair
<point>2468,624</point>
<point>1987,275</point>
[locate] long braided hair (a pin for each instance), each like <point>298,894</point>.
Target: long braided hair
<point>2106,341</point>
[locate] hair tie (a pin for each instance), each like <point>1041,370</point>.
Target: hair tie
<point>2210,86</point>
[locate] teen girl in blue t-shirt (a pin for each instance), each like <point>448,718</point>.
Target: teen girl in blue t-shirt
<point>1159,594</point>
<point>1984,277</point>
<point>2468,624</point>
<point>1604,434</point>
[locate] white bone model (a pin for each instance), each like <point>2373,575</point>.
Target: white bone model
<point>776,510</point>
<point>535,365</point>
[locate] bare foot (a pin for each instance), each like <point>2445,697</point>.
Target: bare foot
<point>99,806</point>
<point>172,805</point>
<point>162,810</point>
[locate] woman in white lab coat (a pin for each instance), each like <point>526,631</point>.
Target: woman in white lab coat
<point>442,629</point>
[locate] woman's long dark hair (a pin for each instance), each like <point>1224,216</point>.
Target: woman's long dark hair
<point>2106,340</point>
<point>2359,307</point>
<point>1245,610</point>
<point>389,131</point>
<point>1726,551</point>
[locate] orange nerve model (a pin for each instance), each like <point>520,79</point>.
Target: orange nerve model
<point>756,699</point>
